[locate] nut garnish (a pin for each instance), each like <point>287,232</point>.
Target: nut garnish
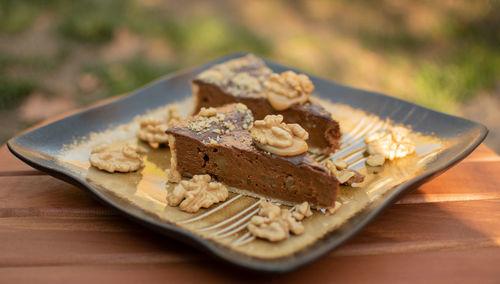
<point>204,123</point>
<point>344,175</point>
<point>214,76</point>
<point>273,223</point>
<point>126,159</point>
<point>173,115</point>
<point>392,144</point>
<point>153,129</point>
<point>219,122</point>
<point>196,193</point>
<point>246,82</point>
<point>375,160</point>
<point>340,164</point>
<point>288,88</point>
<point>334,209</point>
<point>348,177</point>
<point>241,107</point>
<point>241,75</point>
<point>301,211</point>
<point>207,112</point>
<point>279,138</point>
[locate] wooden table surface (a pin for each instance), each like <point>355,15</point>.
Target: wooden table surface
<point>446,231</point>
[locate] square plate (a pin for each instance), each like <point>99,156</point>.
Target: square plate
<point>43,148</point>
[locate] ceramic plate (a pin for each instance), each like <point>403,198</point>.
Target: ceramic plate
<point>62,149</point>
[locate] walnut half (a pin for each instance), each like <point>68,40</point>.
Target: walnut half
<point>288,88</point>
<point>279,138</point>
<point>301,211</point>
<point>196,193</point>
<point>275,224</point>
<point>153,129</point>
<point>126,159</point>
<point>392,144</point>
<point>342,173</point>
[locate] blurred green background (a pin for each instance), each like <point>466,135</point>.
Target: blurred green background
<point>57,55</point>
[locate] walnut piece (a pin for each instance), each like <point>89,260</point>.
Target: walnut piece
<point>196,193</point>
<point>274,224</point>
<point>235,74</point>
<point>207,112</point>
<point>340,164</point>
<point>206,118</point>
<point>214,76</point>
<point>287,88</point>
<point>126,159</point>
<point>335,208</point>
<point>392,144</point>
<point>344,175</point>
<point>375,160</point>
<point>153,129</point>
<point>302,210</point>
<point>246,82</point>
<point>173,115</point>
<point>279,138</point>
<point>241,62</point>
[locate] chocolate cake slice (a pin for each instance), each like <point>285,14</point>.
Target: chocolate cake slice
<point>218,142</point>
<point>246,80</point>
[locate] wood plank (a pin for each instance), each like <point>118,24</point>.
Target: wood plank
<point>46,196</point>
<point>11,165</point>
<point>84,240</point>
<point>465,181</point>
<point>467,178</point>
<point>464,266</point>
<point>430,226</point>
<point>482,154</point>
<point>459,266</point>
<point>71,112</point>
<point>113,240</point>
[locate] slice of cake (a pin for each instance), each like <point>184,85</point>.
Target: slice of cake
<point>249,81</point>
<point>264,158</point>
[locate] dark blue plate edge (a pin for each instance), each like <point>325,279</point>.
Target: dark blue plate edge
<point>314,251</point>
